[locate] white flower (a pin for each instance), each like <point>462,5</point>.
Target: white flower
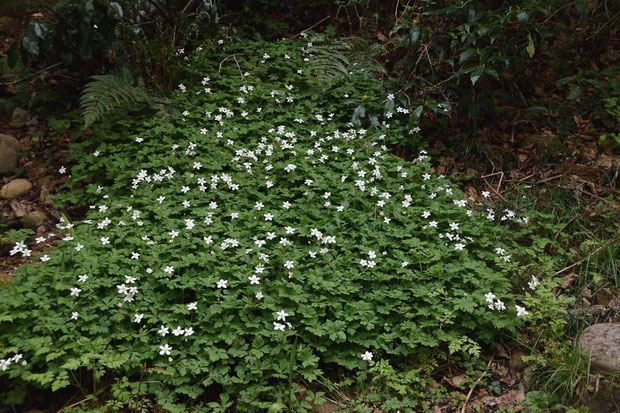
<point>521,311</point>
<point>74,315</point>
<point>82,278</point>
<point>78,247</point>
<point>282,315</point>
<point>290,168</point>
<point>259,295</point>
<point>75,292</point>
<point>189,331</point>
<point>459,247</point>
<point>289,265</point>
<point>169,269</point>
<point>178,331</point>
<point>534,283</point>
<point>163,330</point>
<point>254,279</point>
<point>454,226</point>
<point>489,297</point>
<point>222,283</point>
<point>105,240</point>
<point>277,326</point>
<point>367,356</point>
<point>45,258</point>
<point>165,350</point>
<point>137,318</point>
<point>192,306</point>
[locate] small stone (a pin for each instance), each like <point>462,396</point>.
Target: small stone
<point>516,361</point>
<point>48,181</point>
<point>32,122</point>
<point>15,189</point>
<point>34,219</point>
<point>602,341</point>
<point>9,151</point>
<point>17,208</point>
<point>20,115</point>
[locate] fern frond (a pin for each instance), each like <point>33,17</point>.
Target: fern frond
<point>350,54</point>
<point>105,93</point>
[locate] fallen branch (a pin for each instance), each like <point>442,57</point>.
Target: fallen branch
<point>30,76</point>
<point>311,27</point>
<point>596,251</point>
<point>471,391</point>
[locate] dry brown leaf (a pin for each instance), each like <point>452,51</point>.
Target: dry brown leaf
<point>568,279</point>
<point>456,380</point>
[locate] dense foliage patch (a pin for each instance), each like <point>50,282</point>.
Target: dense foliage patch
<point>254,239</point>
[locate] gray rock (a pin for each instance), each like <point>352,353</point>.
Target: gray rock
<point>15,189</point>
<point>9,151</point>
<point>20,115</point>
<point>602,341</point>
<point>33,219</point>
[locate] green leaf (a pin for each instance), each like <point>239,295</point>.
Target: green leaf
<point>31,45</point>
<point>276,408</point>
<point>414,35</point>
<point>118,10</point>
<point>530,46</point>
<point>523,16</point>
<point>418,111</point>
<point>466,55</point>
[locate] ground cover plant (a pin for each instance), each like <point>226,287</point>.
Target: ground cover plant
<point>257,238</point>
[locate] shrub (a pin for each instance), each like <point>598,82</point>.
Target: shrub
<point>251,241</point>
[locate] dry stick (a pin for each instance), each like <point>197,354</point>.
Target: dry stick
<point>596,251</point>
<point>493,189</point>
<point>312,27</point>
<point>542,181</point>
<point>490,175</point>
<point>228,57</point>
<point>499,185</point>
<point>32,75</point>
<point>526,178</point>
<point>565,225</point>
<point>74,404</point>
<point>471,391</point>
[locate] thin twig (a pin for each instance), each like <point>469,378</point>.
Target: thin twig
<point>490,175</point>
<point>596,251</point>
<point>549,179</point>
<point>499,185</point>
<point>74,404</point>
<point>471,391</point>
<point>311,27</point>
<point>493,189</point>
<point>228,57</point>
<point>557,234</point>
<point>30,76</point>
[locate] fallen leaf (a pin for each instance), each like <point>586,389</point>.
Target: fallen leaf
<point>456,380</point>
<point>567,280</point>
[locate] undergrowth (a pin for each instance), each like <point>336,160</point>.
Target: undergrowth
<point>257,239</point>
